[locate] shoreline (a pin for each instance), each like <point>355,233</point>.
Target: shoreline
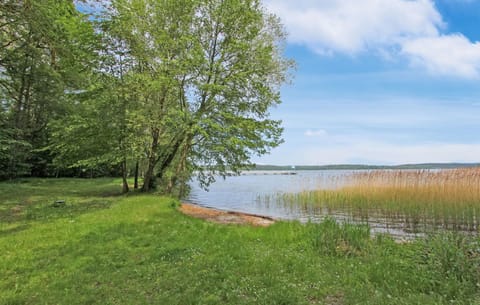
<point>225,217</point>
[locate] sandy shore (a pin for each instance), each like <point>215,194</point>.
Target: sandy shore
<point>225,217</point>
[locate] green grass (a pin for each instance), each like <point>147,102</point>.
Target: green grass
<point>103,248</point>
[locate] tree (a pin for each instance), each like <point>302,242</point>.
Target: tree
<point>238,80</point>
<point>157,34</point>
<point>99,128</point>
<point>211,70</point>
<point>45,48</point>
<point>102,126</point>
<point>180,87</point>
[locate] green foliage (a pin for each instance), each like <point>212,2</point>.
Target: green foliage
<point>205,74</point>
<point>175,86</point>
<point>331,238</point>
<point>83,137</point>
<point>45,51</point>
<point>240,80</point>
<point>13,153</point>
<point>103,248</point>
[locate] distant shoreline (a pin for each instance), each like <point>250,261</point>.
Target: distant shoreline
<point>362,166</point>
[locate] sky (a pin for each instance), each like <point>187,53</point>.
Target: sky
<point>380,82</point>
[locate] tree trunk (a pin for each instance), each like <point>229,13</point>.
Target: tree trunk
<point>168,158</point>
<point>182,150</point>
<point>182,167</point>
<point>148,177</point>
<point>135,184</point>
<point>125,188</point>
<point>152,161</point>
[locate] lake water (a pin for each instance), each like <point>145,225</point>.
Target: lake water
<point>248,192</point>
<point>242,193</point>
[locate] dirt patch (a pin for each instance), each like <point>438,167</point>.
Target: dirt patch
<point>334,299</point>
<point>225,217</point>
<point>16,209</point>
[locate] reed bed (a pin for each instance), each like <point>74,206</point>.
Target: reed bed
<point>448,199</point>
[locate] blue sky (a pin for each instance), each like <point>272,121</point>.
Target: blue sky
<point>380,82</point>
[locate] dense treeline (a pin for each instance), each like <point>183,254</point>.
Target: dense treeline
<point>146,88</point>
<point>45,49</point>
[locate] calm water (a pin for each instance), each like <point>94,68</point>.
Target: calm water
<point>247,193</point>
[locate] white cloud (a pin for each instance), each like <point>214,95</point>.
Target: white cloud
<point>351,26</point>
<point>389,28</point>
<point>447,55</point>
<point>316,133</point>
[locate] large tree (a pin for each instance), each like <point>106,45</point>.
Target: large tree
<point>237,81</point>
<point>157,35</point>
<point>211,70</point>
<point>181,87</point>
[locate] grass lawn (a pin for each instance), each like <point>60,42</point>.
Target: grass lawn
<point>105,248</point>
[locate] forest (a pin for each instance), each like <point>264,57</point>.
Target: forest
<point>154,90</point>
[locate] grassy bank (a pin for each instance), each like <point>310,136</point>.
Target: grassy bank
<point>103,248</point>
<point>436,199</point>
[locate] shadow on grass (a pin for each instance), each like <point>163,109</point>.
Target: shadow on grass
<point>42,208</point>
<point>49,212</point>
<point>24,201</point>
<point>43,213</point>
<point>13,230</point>
<point>22,189</point>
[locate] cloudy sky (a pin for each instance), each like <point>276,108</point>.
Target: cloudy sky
<point>380,82</point>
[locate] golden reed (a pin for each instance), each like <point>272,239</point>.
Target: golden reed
<point>436,198</point>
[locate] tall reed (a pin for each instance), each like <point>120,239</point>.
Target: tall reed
<point>442,198</point>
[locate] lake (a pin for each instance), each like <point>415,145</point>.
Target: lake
<point>255,191</point>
